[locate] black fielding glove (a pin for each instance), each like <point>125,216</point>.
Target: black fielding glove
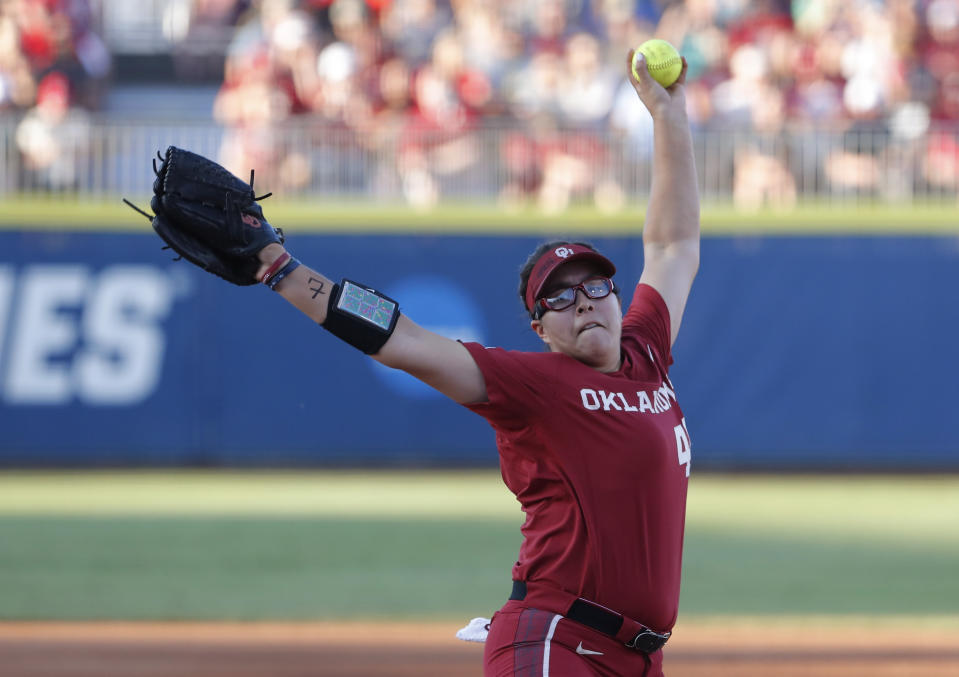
<point>209,217</point>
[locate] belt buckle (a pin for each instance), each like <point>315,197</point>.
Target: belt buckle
<point>648,641</point>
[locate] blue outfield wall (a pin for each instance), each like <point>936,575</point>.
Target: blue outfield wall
<point>818,352</point>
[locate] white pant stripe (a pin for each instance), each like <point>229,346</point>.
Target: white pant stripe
<point>549,637</point>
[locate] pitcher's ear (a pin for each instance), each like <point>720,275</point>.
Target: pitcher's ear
<point>537,326</point>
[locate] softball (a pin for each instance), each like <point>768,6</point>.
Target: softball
<point>662,61</point>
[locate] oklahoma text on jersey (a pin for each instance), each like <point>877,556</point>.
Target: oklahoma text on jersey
<point>655,401</point>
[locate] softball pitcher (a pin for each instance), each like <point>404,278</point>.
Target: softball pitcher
<point>591,437</point>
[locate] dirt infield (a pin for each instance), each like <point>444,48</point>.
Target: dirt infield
<point>744,649</point>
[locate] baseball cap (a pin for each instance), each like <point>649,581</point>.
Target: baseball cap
<point>554,258</point>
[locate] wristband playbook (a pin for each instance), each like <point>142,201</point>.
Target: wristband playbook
<point>363,317</point>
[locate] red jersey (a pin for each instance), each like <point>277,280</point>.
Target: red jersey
<point>600,464</point>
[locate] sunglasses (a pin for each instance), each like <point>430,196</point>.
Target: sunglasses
<point>594,288</point>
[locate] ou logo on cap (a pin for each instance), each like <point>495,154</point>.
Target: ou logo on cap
<point>563,252</point>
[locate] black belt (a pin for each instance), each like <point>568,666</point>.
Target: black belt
<point>603,620</point>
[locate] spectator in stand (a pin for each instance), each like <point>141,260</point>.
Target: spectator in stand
<point>412,26</point>
<point>578,168</point>
<point>700,34</point>
<point>547,26</point>
<point>250,104</point>
<point>211,24</point>
<point>83,53</point>
<point>531,96</point>
<point>348,66</point>
<point>57,35</point>
<point>938,50</point>
<point>270,75</point>
<point>440,143</point>
<point>53,138</point>
<point>384,131</point>
<point>589,84</point>
<point>491,46</point>
<point>17,84</point>
<point>37,32</point>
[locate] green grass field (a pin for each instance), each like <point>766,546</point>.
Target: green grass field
<point>418,545</point>
<point>823,218</point>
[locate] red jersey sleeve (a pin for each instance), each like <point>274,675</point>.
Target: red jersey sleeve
<point>517,384</point>
<point>647,320</point>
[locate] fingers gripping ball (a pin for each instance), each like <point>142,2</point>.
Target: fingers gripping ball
<point>662,61</point>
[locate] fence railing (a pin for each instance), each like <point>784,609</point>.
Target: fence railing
<point>101,158</point>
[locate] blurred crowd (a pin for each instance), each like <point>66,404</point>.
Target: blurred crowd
<point>418,84</point>
<point>418,79</point>
<point>54,68</point>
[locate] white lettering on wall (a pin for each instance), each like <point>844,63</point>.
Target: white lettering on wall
<point>122,361</point>
<point>6,300</point>
<point>76,334</point>
<point>43,335</point>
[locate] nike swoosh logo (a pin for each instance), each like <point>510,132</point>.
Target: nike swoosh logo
<point>586,652</point>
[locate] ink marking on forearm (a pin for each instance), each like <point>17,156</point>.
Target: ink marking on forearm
<point>317,290</point>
